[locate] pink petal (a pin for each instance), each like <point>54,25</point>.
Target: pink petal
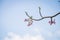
<point>28,24</point>
<point>25,20</point>
<point>49,22</point>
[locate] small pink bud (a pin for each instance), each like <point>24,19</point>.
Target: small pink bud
<point>29,21</point>
<point>25,20</point>
<point>28,24</point>
<point>50,22</point>
<point>54,21</point>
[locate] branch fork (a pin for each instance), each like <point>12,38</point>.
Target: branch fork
<point>30,21</point>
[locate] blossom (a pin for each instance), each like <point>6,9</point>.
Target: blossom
<point>29,20</point>
<point>52,22</point>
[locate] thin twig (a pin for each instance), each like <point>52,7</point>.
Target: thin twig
<point>40,12</point>
<point>41,16</point>
<point>46,17</point>
<point>27,14</point>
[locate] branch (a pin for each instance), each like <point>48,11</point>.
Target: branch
<point>27,14</point>
<point>40,12</point>
<point>41,16</point>
<point>46,17</point>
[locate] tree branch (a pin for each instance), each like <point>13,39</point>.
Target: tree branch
<point>46,17</point>
<point>42,16</point>
<point>27,14</point>
<point>40,12</point>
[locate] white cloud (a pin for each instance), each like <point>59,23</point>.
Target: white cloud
<point>13,36</point>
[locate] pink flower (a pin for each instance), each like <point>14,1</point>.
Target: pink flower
<point>52,22</point>
<point>29,20</point>
<point>25,20</point>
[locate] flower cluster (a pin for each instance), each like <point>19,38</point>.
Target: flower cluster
<point>52,22</point>
<point>29,20</point>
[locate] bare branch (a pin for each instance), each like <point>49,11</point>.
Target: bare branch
<point>47,17</point>
<point>30,19</point>
<point>56,14</point>
<point>40,12</point>
<point>41,16</point>
<point>27,14</point>
<point>44,17</point>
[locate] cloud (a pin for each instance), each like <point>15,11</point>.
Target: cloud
<point>13,36</point>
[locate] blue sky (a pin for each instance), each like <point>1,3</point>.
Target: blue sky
<point>12,15</point>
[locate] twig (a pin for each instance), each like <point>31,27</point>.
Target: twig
<point>46,17</point>
<point>42,16</point>
<point>40,12</point>
<point>27,14</point>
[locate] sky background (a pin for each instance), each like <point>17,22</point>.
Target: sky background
<point>12,16</point>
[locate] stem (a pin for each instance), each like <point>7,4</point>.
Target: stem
<point>41,16</point>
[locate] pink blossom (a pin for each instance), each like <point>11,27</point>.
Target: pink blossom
<point>29,20</point>
<point>52,22</point>
<point>25,20</point>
